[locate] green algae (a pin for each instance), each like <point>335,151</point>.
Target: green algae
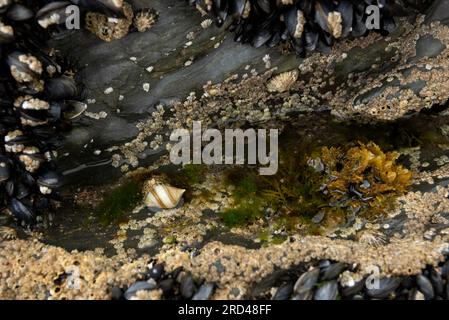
<point>293,191</point>
<point>299,191</point>
<point>248,205</point>
<point>118,202</point>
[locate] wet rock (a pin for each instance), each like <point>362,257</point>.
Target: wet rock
<point>438,12</point>
<point>139,286</point>
<point>204,292</point>
<point>283,292</point>
<point>428,46</point>
<point>425,286</point>
<point>327,291</point>
<point>386,288</point>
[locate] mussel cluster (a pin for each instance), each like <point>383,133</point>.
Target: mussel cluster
<point>303,25</point>
<point>38,98</point>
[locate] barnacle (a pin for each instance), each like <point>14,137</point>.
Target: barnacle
<point>145,19</point>
<point>107,28</point>
<point>7,233</point>
<point>283,81</point>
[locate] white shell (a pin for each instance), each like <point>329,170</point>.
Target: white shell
<point>162,196</point>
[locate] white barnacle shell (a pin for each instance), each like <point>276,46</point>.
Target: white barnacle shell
<point>282,82</point>
<point>160,195</point>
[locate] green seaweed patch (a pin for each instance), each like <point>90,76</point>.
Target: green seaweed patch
<point>248,205</point>
<point>240,215</point>
<point>194,173</point>
<point>118,202</point>
<point>295,189</point>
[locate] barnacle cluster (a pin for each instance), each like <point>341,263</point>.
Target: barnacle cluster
<point>108,29</point>
<point>305,25</point>
<point>145,19</point>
